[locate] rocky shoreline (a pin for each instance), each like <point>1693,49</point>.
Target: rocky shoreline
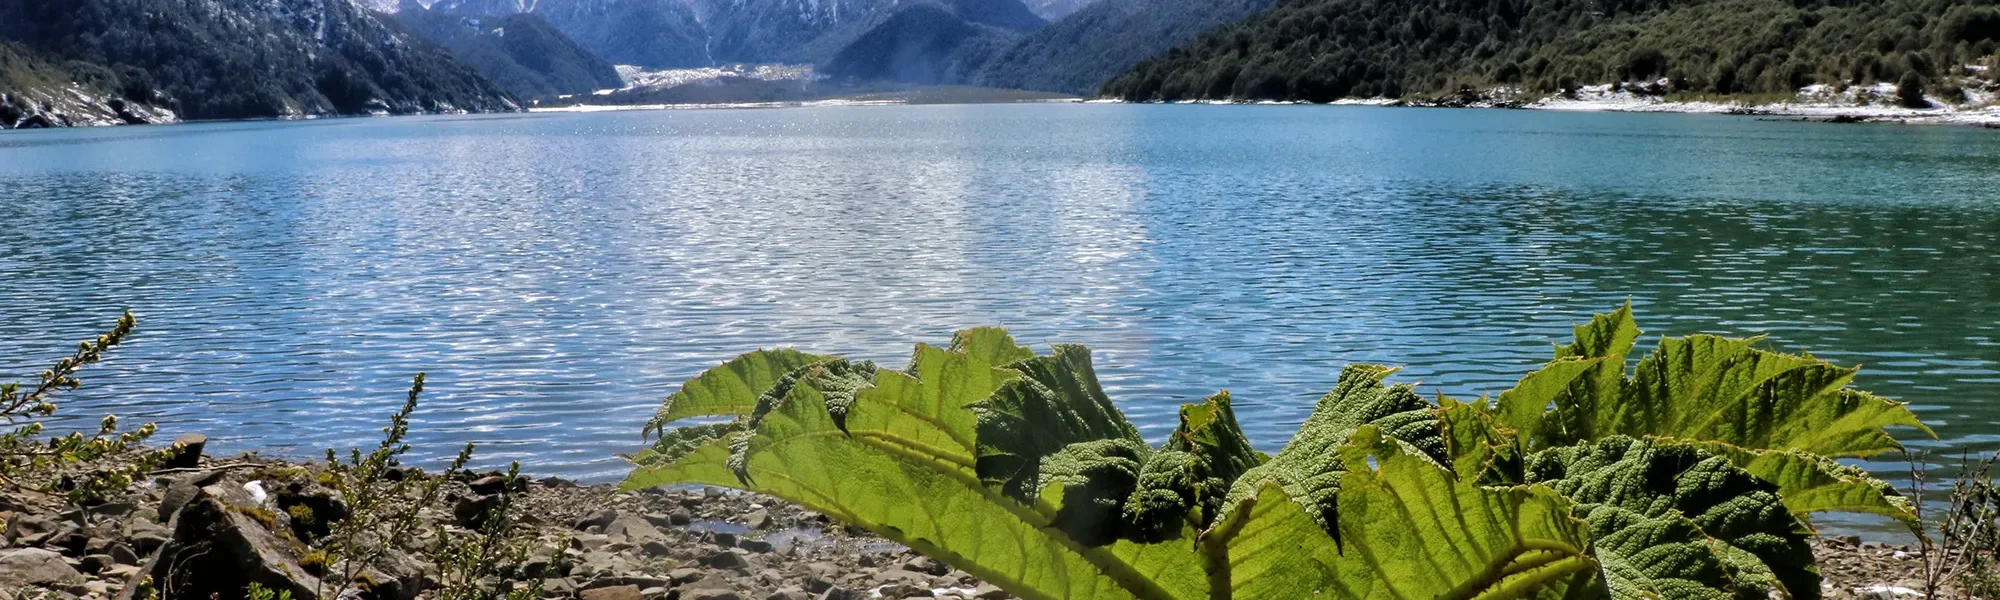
<point>216,525</point>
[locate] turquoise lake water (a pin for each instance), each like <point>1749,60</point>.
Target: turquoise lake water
<point>558,274</point>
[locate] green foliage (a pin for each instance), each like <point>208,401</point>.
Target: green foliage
<point>28,462</point>
<point>1321,50</point>
<point>257,591</point>
<point>1689,478</point>
<point>1077,54</point>
<point>384,502</point>
<point>1910,90</point>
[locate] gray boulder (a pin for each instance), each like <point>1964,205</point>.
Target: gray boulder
<point>35,567</point>
<point>219,548</point>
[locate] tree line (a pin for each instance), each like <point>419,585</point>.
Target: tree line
<point>1322,50</point>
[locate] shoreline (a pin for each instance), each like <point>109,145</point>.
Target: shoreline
<point>1983,116</point>
<point>670,543</point>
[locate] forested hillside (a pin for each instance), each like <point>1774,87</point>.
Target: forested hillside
<point>222,59</point>
<point>521,52</point>
<point>1078,53</point>
<point>36,91</point>
<point>1321,50</point>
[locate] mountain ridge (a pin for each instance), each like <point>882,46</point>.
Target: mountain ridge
<point>228,59</point>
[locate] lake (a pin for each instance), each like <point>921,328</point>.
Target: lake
<point>557,275</point>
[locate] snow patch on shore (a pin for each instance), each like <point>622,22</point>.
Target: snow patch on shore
<point>1871,102</point>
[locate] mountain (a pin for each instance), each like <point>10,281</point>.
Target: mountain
<point>224,59</point>
<point>521,52</point>
<point>38,92</point>
<point>1321,50</point>
<point>649,33</point>
<point>1078,53</point>
<point>671,34</point>
<point>1055,10</point>
<point>934,41</point>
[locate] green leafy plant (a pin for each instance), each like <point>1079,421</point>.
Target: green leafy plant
<point>68,465</point>
<point>1691,476</point>
<point>257,591</point>
<point>384,502</point>
<point>470,561</point>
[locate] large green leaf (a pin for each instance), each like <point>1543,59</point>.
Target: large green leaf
<point>1810,483</point>
<point>730,389</point>
<point>1672,517</point>
<point>904,467</point>
<point>1700,388</point>
<point>1411,530</point>
<point>1191,473</point>
<point>1054,425</point>
<point>1310,469</point>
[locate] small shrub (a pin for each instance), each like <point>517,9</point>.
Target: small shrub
<point>28,463</point>
<point>383,511</point>
<point>1910,91</point>
<point>1963,545</point>
<point>469,560</point>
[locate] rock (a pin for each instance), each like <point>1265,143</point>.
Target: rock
<point>710,594</point>
<point>488,486</point>
<point>472,512</point>
<point>656,593</point>
<point>616,592</point>
<point>926,565</point>
<point>656,549</point>
<point>600,520</point>
<point>26,567</point>
<point>824,570</point>
<point>638,581</point>
<point>558,588</point>
<point>725,560</point>
<point>685,575</point>
<point>905,590</point>
<point>184,490</point>
<point>816,584</point>
<point>29,530</point>
<point>95,562</point>
<point>634,529</point>
<point>191,445</point>
<point>840,593</point>
<point>723,538</point>
<point>70,539</point>
<point>790,593</point>
<point>122,554</point>
<point>758,519</point>
<point>114,509</point>
<point>146,542</point>
<point>757,546</point>
<point>589,541</point>
<point>323,508</point>
<point>397,577</point>
<point>988,591</point>
<point>895,576</point>
<point>219,548</point>
<point>680,518</point>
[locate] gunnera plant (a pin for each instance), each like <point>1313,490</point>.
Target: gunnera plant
<point>1691,474</point>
